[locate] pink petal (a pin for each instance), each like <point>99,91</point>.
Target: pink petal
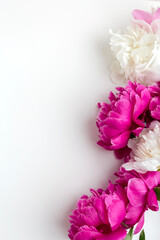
<point>72,231</point>
<point>152,179</point>
<point>141,104</point>
<point>116,210</point>
<point>118,123</point>
<point>137,131</point>
<point>154,107</point>
<point>101,209</point>
<point>119,234</point>
<point>156,15</point>
<point>108,131</point>
<point>139,225</point>
<point>133,215</point>
<point>142,15</point>
<point>104,144</point>
<point>122,194</point>
<point>121,140</point>
<point>86,233</point>
<point>137,192</point>
<point>90,216</point>
<point>123,107</point>
<point>152,201</point>
<point>123,153</point>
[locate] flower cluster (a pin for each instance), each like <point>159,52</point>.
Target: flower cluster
<point>129,124</point>
<point>106,215</point>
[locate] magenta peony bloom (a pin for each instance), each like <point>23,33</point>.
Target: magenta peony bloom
<point>123,116</point>
<point>146,16</point>
<point>106,215</point>
<point>139,189</point>
<point>99,217</point>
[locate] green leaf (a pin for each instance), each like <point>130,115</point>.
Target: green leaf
<point>129,235</point>
<point>142,235</point>
<point>157,191</point>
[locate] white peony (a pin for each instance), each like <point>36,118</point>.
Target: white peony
<point>136,53</point>
<point>145,155</point>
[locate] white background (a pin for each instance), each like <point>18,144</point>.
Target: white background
<point>52,74</point>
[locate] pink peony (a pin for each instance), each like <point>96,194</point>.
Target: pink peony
<point>106,215</point>
<point>123,117</point>
<point>146,16</point>
<point>98,217</point>
<point>140,193</point>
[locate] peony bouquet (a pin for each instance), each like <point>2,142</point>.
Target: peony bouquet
<point>129,125</point>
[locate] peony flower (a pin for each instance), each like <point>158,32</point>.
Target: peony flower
<point>98,217</point>
<point>136,52</point>
<point>106,215</point>
<point>123,117</point>
<point>145,154</point>
<point>140,193</point>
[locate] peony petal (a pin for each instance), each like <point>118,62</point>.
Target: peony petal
<point>141,104</point>
<point>90,216</point>
<point>118,123</point>
<point>121,140</point>
<point>108,131</point>
<point>152,201</point>
<point>133,215</point>
<point>137,192</point>
<point>123,107</point>
<point>152,179</point>
<point>119,234</point>
<point>86,233</point>
<point>101,209</point>
<point>156,14</point>
<point>116,210</point>
<point>72,231</point>
<point>143,166</point>
<point>139,225</point>
<point>106,145</point>
<point>154,107</point>
<point>122,194</point>
<point>137,131</point>
<point>142,15</point>
<point>123,153</point>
